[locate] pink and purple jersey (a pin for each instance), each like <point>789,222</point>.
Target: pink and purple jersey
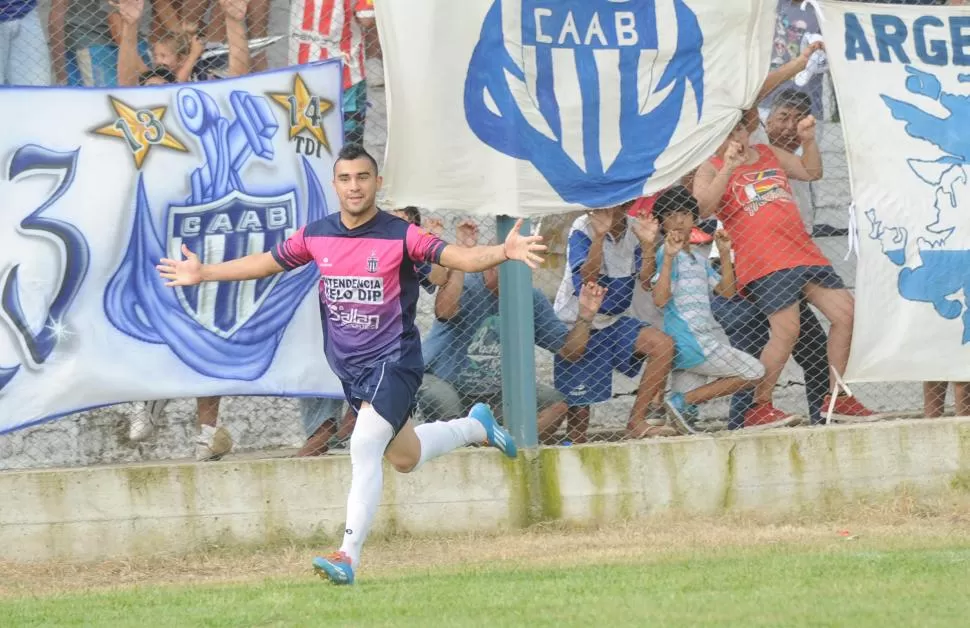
<point>369,288</point>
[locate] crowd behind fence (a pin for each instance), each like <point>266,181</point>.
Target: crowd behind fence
<point>603,358</point>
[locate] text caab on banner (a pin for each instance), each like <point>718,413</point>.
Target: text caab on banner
<point>98,185</point>
<point>901,77</point>
<point>533,107</point>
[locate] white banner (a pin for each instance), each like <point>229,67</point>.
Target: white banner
<point>97,185</point>
<point>533,107</point>
<point>900,77</point>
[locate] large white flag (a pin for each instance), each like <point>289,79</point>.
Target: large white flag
<point>901,79</point>
<point>97,185</point>
<point>534,107</point>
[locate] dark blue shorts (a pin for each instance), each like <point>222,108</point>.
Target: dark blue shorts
<point>784,288</point>
<point>391,388</point>
<point>590,379</point>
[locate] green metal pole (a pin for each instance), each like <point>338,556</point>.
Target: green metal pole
<point>517,328</point>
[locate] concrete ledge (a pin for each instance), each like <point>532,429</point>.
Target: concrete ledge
<point>119,511</point>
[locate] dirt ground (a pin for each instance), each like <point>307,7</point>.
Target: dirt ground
<point>905,522</point>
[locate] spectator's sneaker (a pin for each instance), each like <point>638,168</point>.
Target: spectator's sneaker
<point>849,410</point>
<point>645,430</point>
<point>765,416</point>
<point>656,415</point>
<point>212,443</point>
<point>681,411</point>
<point>495,434</point>
<point>336,568</point>
<point>143,424</point>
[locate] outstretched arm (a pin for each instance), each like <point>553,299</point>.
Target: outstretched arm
<point>478,258</point>
<point>190,271</point>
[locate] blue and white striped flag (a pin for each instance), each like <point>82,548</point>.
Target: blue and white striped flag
<point>541,106</point>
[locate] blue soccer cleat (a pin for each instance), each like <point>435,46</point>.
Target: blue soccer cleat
<point>497,436</point>
<point>336,568</point>
<point>683,413</point>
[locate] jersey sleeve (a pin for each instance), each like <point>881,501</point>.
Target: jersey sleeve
<point>423,246</point>
<point>364,8</point>
<point>293,252</point>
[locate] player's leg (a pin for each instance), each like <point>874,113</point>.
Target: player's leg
<point>371,437</point>
<point>414,446</point>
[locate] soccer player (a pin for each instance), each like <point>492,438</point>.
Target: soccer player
<point>367,260</point>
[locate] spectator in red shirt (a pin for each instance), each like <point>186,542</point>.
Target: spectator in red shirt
<point>778,264</point>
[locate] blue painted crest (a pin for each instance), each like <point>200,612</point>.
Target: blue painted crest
<point>588,91</point>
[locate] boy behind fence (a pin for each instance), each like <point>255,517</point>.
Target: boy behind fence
<point>682,289</point>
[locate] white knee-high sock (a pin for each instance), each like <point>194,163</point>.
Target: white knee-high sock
<point>440,437</point>
<point>367,444</point>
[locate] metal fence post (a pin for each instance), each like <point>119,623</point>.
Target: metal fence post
<point>517,327</point>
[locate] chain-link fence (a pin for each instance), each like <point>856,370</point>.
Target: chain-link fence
<point>695,331</point>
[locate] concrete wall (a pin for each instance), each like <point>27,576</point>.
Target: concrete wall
<point>119,511</point>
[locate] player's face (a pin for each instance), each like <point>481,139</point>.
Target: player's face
<point>356,184</point>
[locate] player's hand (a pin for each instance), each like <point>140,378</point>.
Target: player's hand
<point>434,226</point>
<point>734,156</point>
<point>129,10</point>
<point>673,244</point>
<point>645,229</point>
<point>524,248</point>
<point>467,233</point>
<point>186,272</point>
<point>806,129</point>
<point>591,297</point>
<point>600,222</point>
<point>723,242</point>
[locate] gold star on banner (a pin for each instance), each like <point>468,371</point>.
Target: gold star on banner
<point>305,110</point>
<point>141,129</point>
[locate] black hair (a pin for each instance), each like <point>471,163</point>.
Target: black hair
<point>412,213</point>
<point>673,200</point>
<point>160,73</point>
<point>799,101</point>
<point>350,152</point>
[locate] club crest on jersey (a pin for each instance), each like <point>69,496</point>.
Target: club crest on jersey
<point>588,91</point>
<point>372,263</point>
<point>233,226</point>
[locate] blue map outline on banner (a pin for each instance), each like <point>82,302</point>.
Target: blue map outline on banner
<point>943,271</point>
<point>643,135</point>
<point>138,304</point>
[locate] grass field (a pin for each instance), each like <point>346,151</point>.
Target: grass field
<point>886,568</point>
